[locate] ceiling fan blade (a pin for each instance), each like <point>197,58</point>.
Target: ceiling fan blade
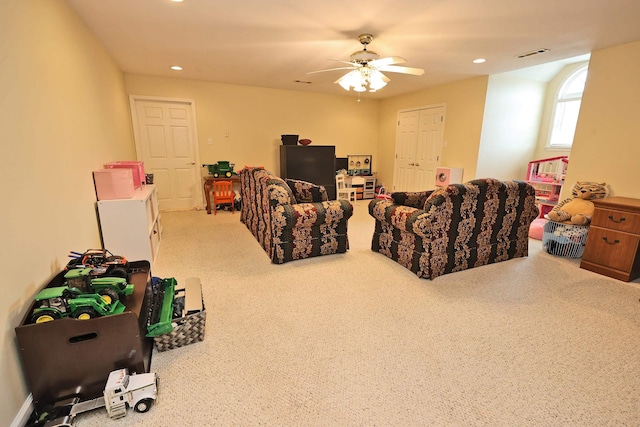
<point>385,78</point>
<point>403,70</point>
<point>332,69</point>
<point>344,62</point>
<point>383,62</point>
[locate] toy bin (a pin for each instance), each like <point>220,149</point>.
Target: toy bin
<point>113,184</point>
<point>137,169</point>
<point>69,357</point>
<point>289,139</point>
<point>189,328</point>
<point>565,240</point>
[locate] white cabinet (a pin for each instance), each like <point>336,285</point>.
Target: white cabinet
<point>131,227</point>
<point>365,186</point>
<point>369,191</point>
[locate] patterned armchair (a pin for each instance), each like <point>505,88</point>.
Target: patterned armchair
<point>292,219</point>
<point>456,227</point>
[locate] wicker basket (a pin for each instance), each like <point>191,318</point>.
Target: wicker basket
<point>186,330</point>
<point>565,240</point>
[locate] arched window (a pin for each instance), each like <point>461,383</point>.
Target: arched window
<point>567,108</point>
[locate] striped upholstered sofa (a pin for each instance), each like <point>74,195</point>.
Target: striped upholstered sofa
<point>292,219</point>
<point>456,227</point>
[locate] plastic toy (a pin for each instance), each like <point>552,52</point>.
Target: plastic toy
<point>122,391</point>
<point>222,168</point>
<point>62,301</point>
<point>100,261</point>
<point>109,288</point>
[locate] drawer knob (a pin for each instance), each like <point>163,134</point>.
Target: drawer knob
<point>610,243</point>
<point>619,221</point>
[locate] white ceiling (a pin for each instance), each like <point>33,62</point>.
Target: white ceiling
<point>274,43</point>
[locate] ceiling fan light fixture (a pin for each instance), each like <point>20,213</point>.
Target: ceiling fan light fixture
<point>366,67</point>
<point>376,81</point>
<point>352,78</point>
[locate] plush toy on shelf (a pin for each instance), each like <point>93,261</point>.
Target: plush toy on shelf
<point>579,209</point>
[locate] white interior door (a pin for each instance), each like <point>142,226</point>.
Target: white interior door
<point>166,141</point>
<point>418,148</point>
<point>406,143</point>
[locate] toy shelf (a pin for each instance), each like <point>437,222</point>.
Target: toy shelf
<point>546,176</point>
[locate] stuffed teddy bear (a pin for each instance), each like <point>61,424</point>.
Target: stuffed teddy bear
<point>579,209</point>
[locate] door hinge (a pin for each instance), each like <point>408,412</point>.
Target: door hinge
<point>441,118</point>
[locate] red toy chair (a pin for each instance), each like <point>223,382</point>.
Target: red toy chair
<point>222,194</point>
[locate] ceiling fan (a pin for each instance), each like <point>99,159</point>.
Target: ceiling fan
<point>366,69</point>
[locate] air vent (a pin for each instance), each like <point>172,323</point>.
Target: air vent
<point>302,81</point>
<point>532,53</point>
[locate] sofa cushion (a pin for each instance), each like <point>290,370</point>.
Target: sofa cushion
<point>278,190</point>
<point>307,192</point>
<point>415,199</point>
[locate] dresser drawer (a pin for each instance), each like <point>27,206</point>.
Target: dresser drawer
<point>616,220</point>
<point>614,249</point>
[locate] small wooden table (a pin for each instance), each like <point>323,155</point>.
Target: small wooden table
<point>208,186</point>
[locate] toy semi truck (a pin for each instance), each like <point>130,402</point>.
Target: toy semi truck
<point>123,390</point>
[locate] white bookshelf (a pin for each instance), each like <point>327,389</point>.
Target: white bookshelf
<point>131,227</point>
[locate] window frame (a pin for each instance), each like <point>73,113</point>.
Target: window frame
<point>560,99</point>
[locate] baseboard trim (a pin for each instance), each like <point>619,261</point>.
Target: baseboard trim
<point>24,413</point>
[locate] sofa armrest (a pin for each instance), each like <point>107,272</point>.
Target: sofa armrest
<point>305,192</point>
<point>414,199</point>
<point>312,214</point>
<point>405,218</point>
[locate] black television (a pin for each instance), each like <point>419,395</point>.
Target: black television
<point>316,164</point>
<point>342,163</point>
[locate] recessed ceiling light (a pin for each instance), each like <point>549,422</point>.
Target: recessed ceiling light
<point>479,61</point>
<point>176,68</point>
<point>177,1</point>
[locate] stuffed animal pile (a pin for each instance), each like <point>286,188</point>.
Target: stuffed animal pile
<point>579,209</point>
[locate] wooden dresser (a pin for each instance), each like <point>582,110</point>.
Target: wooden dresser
<point>614,238</point>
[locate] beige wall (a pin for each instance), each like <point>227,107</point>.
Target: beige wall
<point>256,117</point>
<point>512,113</point>
<point>63,113</point>
<point>605,147</point>
<point>464,102</point>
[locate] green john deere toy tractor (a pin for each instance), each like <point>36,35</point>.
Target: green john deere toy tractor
<point>222,168</point>
<point>109,288</point>
<point>63,301</point>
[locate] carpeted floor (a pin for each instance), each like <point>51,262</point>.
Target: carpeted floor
<point>357,340</point>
